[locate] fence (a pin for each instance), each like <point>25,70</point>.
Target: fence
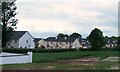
<point>10,58</point>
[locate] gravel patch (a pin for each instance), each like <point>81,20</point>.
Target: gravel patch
<point>113,59</point>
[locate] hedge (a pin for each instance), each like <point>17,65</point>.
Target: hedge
<point>19,50</point>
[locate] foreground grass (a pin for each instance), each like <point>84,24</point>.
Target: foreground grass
<point>54,66</point>
<point>49,61</point>
<point>47,57</point>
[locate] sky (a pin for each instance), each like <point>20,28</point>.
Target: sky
<point>44,18</point>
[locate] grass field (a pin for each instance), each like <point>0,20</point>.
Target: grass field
<point>67,61</point>
<point>60,66</point>
<point>47,57</point>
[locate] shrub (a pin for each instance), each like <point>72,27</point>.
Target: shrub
<point>15,50</point>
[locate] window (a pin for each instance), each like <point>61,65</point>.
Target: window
<point>15,41</point>
<point>12,47</point>
<point>26,41</point>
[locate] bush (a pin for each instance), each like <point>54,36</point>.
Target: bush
<point>15,50</point>
<point>38,50</point>
<point>52,50</point>
<point>19,50</point>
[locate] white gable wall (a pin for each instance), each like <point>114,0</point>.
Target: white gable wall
<point>26,41</point>
<point>76,44</point>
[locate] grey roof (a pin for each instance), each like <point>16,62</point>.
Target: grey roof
<point>37,39</point>
<point>17,35</point>
<point>50,39</point>
<point>83,40</point>
<point>70,39</point>
<point>61,39</point>
<point>112,41</point>
<point>53,39</point>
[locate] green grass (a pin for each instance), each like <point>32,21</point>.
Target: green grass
<point>42,61</point>
<point>47,57</point>
<point>45,66</point>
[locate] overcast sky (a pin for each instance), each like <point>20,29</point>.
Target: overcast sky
<point>44,18</point>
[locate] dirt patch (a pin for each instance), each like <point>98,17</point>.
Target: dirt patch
<point>81,60</point>
<point>50,67</point>
<point>113,59</point>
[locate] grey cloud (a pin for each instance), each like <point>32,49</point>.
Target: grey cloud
<point>33,11</point>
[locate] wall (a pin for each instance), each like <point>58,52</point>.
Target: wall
<point>76,44</point>
<point>40,43</point>
<point>13,43</point>
<point>16,58</point>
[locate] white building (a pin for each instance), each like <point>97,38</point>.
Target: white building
<point>21,39</point>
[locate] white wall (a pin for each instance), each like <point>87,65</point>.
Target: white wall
<point>16,59</point>
<point>76,44</point>
<point>24,38</point>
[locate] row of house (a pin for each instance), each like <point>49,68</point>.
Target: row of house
<point>23,39</point>
<point>70,42</point>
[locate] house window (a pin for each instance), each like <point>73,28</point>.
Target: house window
<point>26,41</point>
<point>47,45</point>
<point>15,41</point>
<point>66,42</point>
<point>51,42</point>
<point>8,44</point>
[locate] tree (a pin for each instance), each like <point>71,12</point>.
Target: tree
<point>118,41</point>
<point>96,39</point>
<point>61,35</point>
<point>75,35</point>
<point>8,20</point>
<point>113,38</point>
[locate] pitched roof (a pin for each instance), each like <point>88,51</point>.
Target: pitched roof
<point>50,39</point>
<point>112,41</point>
<point>70,39</point>
<point>17,35</point>
<point>37,39</point>
<point>61,39</point>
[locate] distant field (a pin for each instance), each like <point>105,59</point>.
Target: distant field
<point>67,61</point>
<point>47,57</point>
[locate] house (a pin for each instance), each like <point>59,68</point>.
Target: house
<point>85,43</point>
<point>36,41</point>
<point>111,43</point>
<point>70,42</point>
<point>58,43</point>
<point>21,39</point>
